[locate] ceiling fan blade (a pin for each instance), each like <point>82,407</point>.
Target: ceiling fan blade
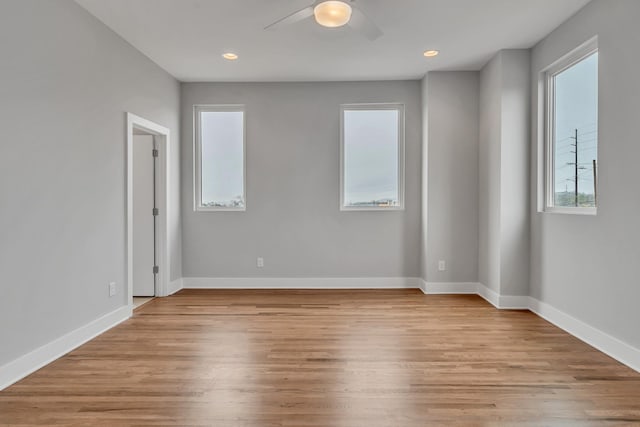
<point>361,23</point>
<point>293,18</point>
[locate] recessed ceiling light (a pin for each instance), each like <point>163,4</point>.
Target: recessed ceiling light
<point>230,56</point>
<point>431,53</point>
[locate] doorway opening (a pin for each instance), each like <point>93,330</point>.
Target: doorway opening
<point>147,201</point>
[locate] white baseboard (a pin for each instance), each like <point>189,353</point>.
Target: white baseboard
<point>17,369</point>
<point>513,302</point>
<point>174,286</point>
<point>301,283</point>
<point>622,352</point>
<point>491,296</point>
<point>503,302</point>
<point>449,287</point>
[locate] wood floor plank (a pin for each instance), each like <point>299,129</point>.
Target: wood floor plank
<point>327,358</point>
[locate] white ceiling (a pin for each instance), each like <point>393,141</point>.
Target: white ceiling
<point>187,37</point>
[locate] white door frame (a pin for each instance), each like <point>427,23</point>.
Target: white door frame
<point>162,139</point>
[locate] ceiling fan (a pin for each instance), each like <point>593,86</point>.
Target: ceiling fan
<point>332,14</point>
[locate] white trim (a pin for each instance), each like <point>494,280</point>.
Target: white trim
<point>585,50</point>
<point>449,287</point>
<point>19,368</point>
<point>395,106</point>
<point>301,283</point>
<point>174,286</point>
<point>503,302</point>
<point>568,210</point>
<point>622,352</point>
<point>491,296</point>
<point>568,60</point>
<point>513,302</point>
<point>197,156</point>
<point>162,135</point>
<point>506,302</point>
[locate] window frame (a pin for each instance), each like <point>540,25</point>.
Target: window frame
<point>395,106</point>
<point>574,57</point>
<point>197,155</point>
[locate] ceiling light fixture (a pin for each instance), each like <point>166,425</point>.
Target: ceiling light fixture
<point>332,13</point>
<point>230,56</point>
<point>431,53</point>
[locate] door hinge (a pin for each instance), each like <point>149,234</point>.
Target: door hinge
<point>156,269</point>
<point>154,153</point>
<point>156,212</point>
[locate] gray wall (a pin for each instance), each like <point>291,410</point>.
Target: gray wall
<point>489,174</point>
<point>504,173</point>
<point>514,173</point>
<point>424,217</point>
<point>452,163</point>
<point>587,266</point>
<point>293,218</point>
<point>66,82</point>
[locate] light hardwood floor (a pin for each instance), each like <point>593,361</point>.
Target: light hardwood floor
<point>327,358</point>
<point>140,301</point>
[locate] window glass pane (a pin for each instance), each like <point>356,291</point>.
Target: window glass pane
<point>222,168</point>
<point>575,134</point>
<point>371,158</point>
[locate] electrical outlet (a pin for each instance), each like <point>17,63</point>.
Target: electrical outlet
<point>442,266</point>
<point>112,289</point>
<point>260,262</point>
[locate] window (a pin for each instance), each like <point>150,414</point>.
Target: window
<point>219,158</point>
<point>572,132</point>
<point>372,157</point>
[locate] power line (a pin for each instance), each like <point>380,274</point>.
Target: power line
<point>576,165</point>
<point>589,133</point>
<point>580,168</point>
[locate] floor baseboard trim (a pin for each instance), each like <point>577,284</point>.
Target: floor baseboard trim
<point>449,287</point>
<point>25,365</point>
<point>613,347</point>
<point>503,302</point>
<point>513,302</point>
<point>301,283</point>
<point>491,296</point>
<point>175,286</point>
<point>609,345</point>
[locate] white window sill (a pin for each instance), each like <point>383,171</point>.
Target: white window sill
<point>371,208</point>
<point>212,209</point>
<point>571,211</point>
